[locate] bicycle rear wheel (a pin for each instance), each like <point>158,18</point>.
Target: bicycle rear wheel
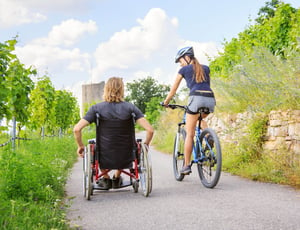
<point>210,165</point>
<point>178,154</point>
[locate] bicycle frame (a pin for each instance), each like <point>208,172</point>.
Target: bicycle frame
<point>197,153</point>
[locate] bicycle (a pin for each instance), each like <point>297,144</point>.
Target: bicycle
<point>206,150</point>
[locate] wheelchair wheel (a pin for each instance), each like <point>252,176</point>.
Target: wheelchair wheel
<point>145,171</point>
<point>87,173</point>
<point>210,167</point>
<point>84,167</point>
<point>135,186</point>
<point>178,154</point>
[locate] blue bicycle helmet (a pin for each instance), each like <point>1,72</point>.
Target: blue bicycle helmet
<point>184,51</point>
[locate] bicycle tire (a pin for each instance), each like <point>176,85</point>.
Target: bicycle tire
<point>209,169</point>
<point>178,154</point>
<point>145,171</point>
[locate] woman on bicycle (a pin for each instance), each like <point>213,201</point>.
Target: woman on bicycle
<point>201,95</point>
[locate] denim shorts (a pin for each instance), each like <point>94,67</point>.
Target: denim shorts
<point>195,102</point>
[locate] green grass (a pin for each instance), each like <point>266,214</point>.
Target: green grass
<point>266,168</point>
<point>32,181</point>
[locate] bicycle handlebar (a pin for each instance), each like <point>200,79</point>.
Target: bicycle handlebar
<point>173,106</point>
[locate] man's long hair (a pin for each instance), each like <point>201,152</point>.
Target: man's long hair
<point>114,90</point>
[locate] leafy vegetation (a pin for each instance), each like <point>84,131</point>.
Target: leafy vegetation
<point>260,83</point>
<point>15,84</point>
<point>277,30</point>
<point>33,105</point>
<point>33,175</point>
<point>32,181</point>
<point>140,92</point>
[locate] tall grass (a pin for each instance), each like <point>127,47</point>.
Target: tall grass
<point>32,180</point>
<point>263,82</point>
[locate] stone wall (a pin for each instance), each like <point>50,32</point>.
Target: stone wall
<point>283,131</point>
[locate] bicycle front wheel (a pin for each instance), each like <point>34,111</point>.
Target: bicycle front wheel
<point>210,165</point>
<point>178,154</point>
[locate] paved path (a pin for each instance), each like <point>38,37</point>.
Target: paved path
<point>235,203</point>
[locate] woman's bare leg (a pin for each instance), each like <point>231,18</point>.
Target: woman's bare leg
<point>191,121</point>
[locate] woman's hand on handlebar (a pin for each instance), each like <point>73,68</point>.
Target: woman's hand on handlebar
<point>164,104</point>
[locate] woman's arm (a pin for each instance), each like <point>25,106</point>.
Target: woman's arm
<point>173,89</point>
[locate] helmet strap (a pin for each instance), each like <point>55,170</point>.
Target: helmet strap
<point>188,62</point>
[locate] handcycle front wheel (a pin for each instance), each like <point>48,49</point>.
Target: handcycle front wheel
<point>145,170</point>
<point>178,154</point>
<point>87,173</point>
<point>209,168</point>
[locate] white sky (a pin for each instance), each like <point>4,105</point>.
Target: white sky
<point>84,41</point>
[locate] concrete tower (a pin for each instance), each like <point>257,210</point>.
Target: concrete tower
<point>92,93</point>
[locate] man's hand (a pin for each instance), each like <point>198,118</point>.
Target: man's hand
<point>80,151</point>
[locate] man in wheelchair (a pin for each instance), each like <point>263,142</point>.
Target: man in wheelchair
<point>113,111</point>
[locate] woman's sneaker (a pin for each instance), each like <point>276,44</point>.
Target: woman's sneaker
<point>104,183</point>
<point>117,182</point>
<point>186,170</point>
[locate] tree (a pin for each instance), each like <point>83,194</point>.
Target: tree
<point>19,85</point>
<point>277,33</point>
<point>6,57</point>
<point>153,109</point>
<point>42,98</point>
<point>65,108</point>
<point>15,86</point>
<point>141,91</point>
<point>268,11</point>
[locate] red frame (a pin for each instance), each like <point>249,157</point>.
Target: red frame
<point>97,174</point>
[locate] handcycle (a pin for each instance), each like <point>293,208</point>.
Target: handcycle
<point>115,147</point>
<point>206,150</point>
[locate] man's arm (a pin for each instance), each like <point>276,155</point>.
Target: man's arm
<point>78,137</point>
<point>149,129</point>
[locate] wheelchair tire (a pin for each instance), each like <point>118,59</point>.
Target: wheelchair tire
<point>84,167</point>
<point>145,171</point>
<point>87,173</point>
<point>135,186</point>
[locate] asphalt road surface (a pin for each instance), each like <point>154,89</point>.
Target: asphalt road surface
<point>235,203</point>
